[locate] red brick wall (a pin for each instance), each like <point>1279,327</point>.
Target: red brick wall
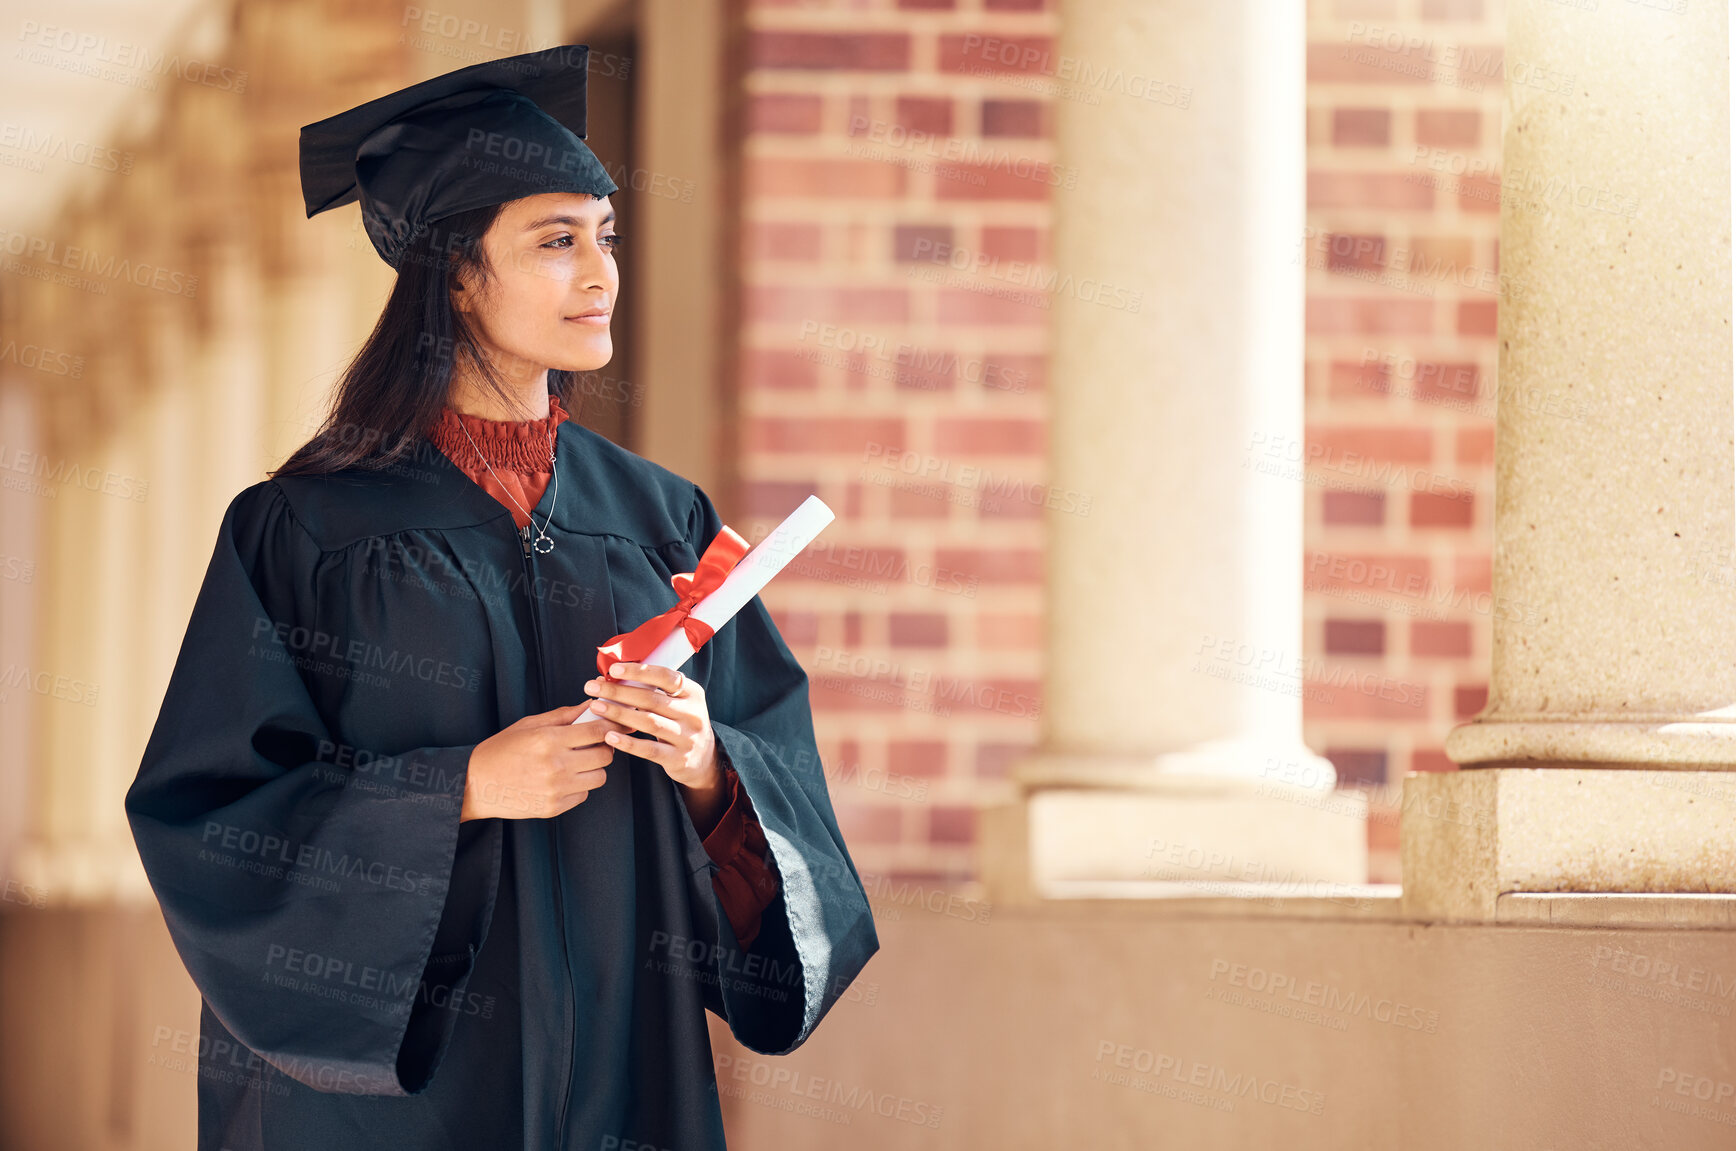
<point>1404,140</point>
<point>892,362</point>
<point>895,184</point>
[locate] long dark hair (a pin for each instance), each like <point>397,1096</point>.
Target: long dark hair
<point>392,392</point>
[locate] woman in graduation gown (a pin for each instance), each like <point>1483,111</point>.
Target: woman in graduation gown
<point>425,909</point>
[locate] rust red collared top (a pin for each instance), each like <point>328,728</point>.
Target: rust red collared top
<point>518,451</point>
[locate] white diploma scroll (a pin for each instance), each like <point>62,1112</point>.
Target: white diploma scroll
<point>744,581</point>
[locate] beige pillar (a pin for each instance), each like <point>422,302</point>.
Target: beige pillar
<point>683,424</point>
<point>1612,703</point>
<point>177,546</point>
<point>1172,746</point>
<point>23,574</point>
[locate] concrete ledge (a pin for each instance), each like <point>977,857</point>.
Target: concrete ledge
<point>1369,903</point>
<point>1453,853</point>
<point>1472,837</point>
<point>1375,901</point>
<point>1188,830</point>
<point>1673,912</point>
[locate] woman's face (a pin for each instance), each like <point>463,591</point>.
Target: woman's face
<point>552,262</point>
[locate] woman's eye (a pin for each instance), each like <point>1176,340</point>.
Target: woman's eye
<point>612,242</point>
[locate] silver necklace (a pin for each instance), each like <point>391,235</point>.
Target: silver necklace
<point>544,542</point>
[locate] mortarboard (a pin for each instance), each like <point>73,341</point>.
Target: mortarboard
<point>481,135</point>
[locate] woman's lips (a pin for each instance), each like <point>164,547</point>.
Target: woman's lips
<point>601,321</point>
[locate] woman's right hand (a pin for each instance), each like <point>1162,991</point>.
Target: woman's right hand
<point>539,767</point>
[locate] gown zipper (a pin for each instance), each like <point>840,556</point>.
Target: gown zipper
<point>554,845</point>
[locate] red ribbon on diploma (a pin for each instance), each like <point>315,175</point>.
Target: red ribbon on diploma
<point>720,558</point>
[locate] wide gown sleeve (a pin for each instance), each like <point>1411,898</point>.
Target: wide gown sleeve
<point>316,910</point>
<point>745,882</point>
<point>818,932</point>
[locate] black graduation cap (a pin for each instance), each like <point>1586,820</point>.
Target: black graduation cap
<point>481,135</point>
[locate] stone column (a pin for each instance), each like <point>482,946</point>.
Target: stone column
<point>23,574</point>
<point>1171,746</point>
<point>683,421</point>
<point>1612,701</point>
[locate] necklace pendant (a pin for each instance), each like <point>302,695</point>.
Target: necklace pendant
<point>545,544</point>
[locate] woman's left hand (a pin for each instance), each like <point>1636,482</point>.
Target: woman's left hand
<point>683,743</point>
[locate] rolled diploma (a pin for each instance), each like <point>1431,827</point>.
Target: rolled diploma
<point>744,581</point>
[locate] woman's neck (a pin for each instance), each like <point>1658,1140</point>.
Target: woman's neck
<point>529,394</point>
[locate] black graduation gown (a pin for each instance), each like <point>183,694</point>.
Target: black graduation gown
<point>376,974</point>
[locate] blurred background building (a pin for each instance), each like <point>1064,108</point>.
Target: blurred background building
<point>1147,352</point>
